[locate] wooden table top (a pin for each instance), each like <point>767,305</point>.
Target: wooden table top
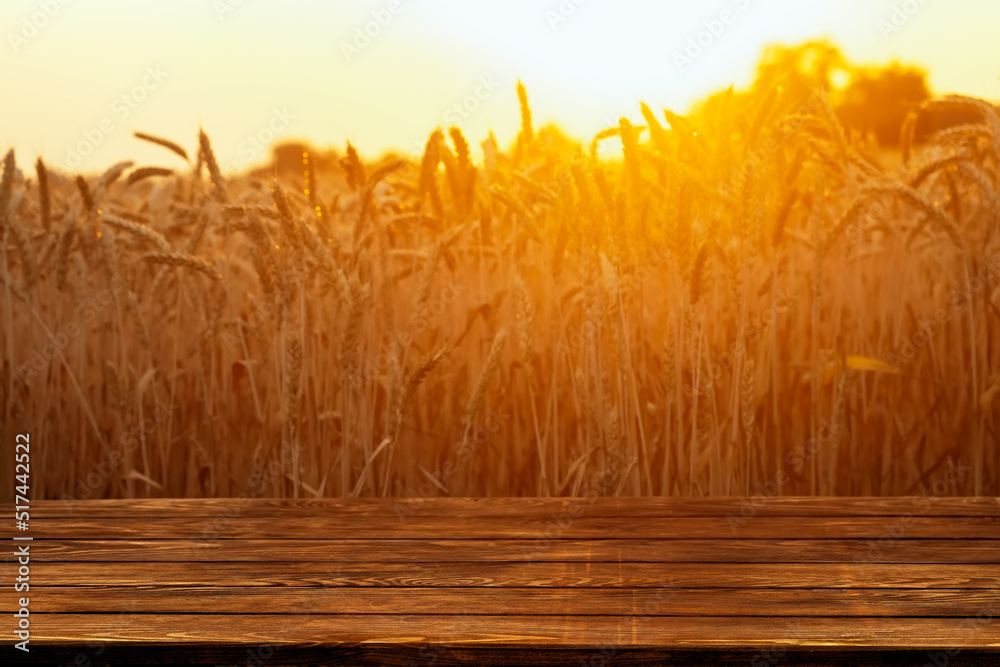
<point>591,581</point>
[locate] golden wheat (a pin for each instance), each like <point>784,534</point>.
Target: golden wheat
<point>678,308</point>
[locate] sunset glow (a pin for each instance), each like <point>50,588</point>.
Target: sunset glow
<point>383,74</point>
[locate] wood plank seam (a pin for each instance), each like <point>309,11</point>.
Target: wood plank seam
<point>475,581</point>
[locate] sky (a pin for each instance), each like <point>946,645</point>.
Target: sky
<point>79,76</point>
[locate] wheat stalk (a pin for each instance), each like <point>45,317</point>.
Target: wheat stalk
<point>612,350</point>
<point>527,135</point>
<point>65,246</point>
<point>132,303</point>
<point>428,171</point>
<point>44,197</point>
<point>29,261</point>
<point>139,230</point>
<point>479,392</point>
<point>206,155</point>
<point>166,143</point>
<point>112,174</point>
<point>525,320</point>
<point>697,273</point>
<point>184,260</point>
<point>353,169</point>
<point>6,185</point>
<point>143,173</point>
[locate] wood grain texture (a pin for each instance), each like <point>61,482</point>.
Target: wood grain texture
<point>721,581</point>
<point>517,631</point>
<point>758,505</point>
<point>667,601</point>
<point>519,575</point>
<point>491,551</point>
<point>338,527</point>
<point>427,655</point>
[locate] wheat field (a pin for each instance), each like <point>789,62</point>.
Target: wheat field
<point>752,300</point>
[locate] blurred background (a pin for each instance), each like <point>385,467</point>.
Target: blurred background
<point>78,75</point>
<point>757,276</point>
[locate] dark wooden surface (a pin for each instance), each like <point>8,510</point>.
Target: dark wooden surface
<point>790,581</point>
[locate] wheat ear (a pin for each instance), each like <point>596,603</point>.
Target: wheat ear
<point>206,154</point>
<point>143,173</point>
<point>140,231</point>
<point>527,131</point>
<point>44,197</point>
<point>479,392</point>
<point>166,143</point>
<point>183,260</point>
<point>6,184</point>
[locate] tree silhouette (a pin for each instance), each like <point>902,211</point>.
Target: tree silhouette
<point>800,70</point>
<point>877,100</point>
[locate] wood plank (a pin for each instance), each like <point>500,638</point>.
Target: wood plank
<point>754,505</point>
<point>488,551</point>
<point>356,582</point>
<point>519,575</point>
<point>408,655</point>
<point>513,631</point>
<point>515,527</point>
<point>486,601</point>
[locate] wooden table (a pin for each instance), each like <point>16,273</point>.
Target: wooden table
<point>758,581</point>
